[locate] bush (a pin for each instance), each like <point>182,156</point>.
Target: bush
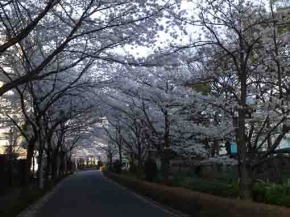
<point>211,186</point>
<point>278,194</point>
<point>138,171</point>
<point>150,169</point>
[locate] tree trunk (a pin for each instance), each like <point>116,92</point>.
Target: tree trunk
<point>246,178</point>
<point>120,153</point>
<point>165,158</point>
<point>10,166</point>
<point>40,170</point>
<point>29,157</point>
<point>33,165</point>
<point>62,163</point>
<point>49,158</point>
<point>246,181</point>
<point>110,157</point>
<point>48,165</point>
<point>57,163</point>
<point>165,166</point>
<point>245,170</point>
<point>54,166</point>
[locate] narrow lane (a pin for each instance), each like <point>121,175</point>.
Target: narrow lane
<point>88,193</point>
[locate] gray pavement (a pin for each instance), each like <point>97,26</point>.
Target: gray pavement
<point>89,193</point>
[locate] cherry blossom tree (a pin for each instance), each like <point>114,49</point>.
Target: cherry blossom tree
<point>40,36</point>
<point>241,56</point>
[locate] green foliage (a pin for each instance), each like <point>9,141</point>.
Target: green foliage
<point>137,171</point>
<point>278,194</point>
<point>283,29</point>
<point>285,176</point>
<point>202,87</point>
<point>212,186</point>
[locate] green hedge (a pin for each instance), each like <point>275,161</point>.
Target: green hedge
<point>278,194</point>
<point>211,186</point>
<point>266,192</point>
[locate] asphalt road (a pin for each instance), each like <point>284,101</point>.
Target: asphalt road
<point>89,193</point>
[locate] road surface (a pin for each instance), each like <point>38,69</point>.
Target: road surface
<point>90,194</point>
